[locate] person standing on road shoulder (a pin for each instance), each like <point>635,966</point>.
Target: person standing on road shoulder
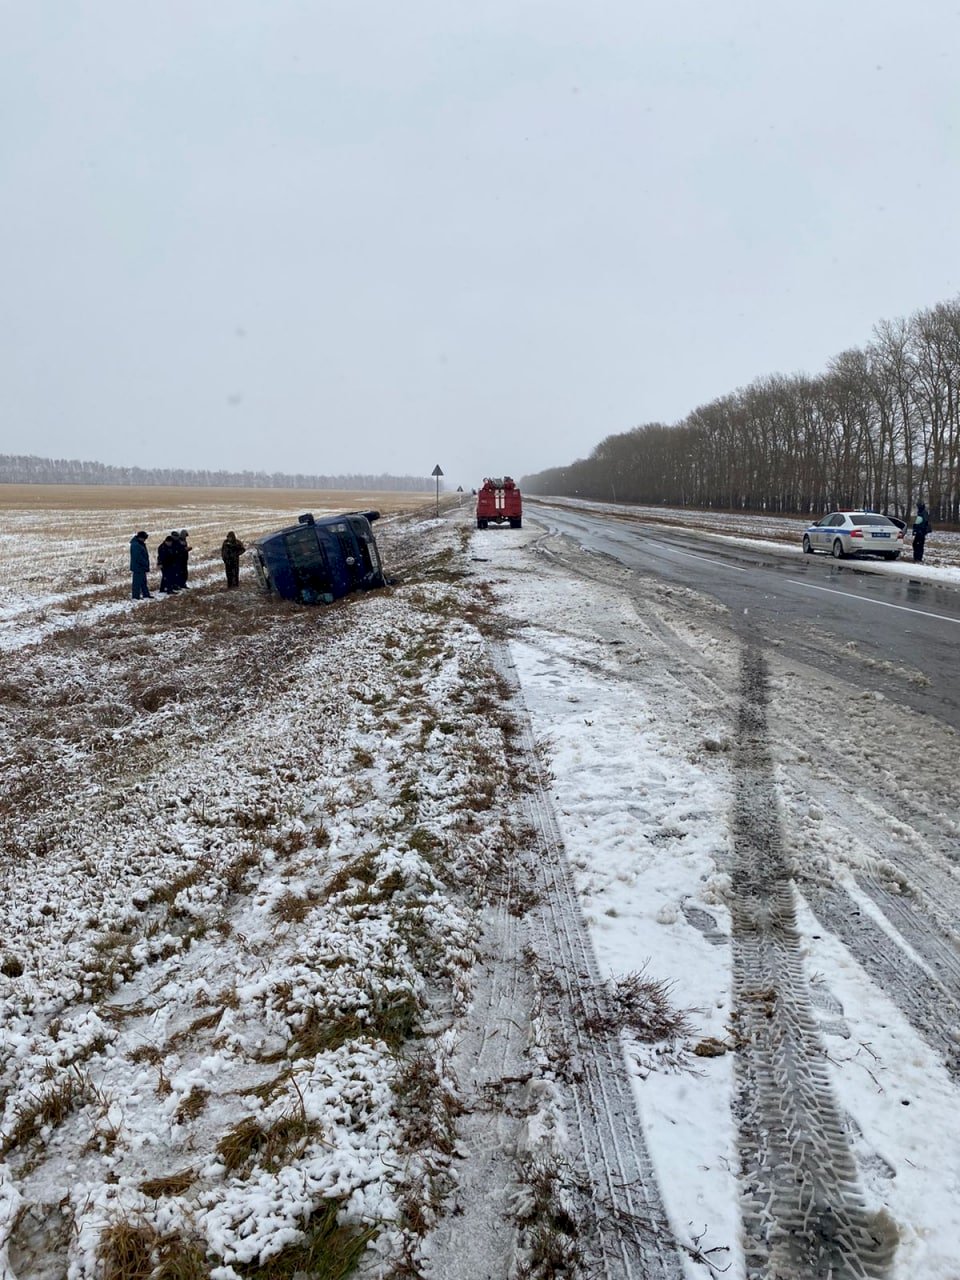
<point>139,566</point>
<point>921,528</point>
<point>231,551</point>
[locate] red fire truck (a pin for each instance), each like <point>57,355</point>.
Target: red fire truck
<point>498,502</point>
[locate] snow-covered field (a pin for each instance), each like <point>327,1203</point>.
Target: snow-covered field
<point>249,853</point>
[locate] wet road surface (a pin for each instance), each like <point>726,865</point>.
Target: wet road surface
<point>851,617</point>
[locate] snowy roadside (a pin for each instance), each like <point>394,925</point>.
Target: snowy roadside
<point>632,689</point>
<point>239,923</point>
<point>244,917</point>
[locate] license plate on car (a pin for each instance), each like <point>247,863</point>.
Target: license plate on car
<point>882,534</point>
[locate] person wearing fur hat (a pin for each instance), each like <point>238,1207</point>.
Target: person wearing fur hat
<point>139,566</point>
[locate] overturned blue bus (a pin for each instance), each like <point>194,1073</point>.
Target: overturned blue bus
<point>317,561</point>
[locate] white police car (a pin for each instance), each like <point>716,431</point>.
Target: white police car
<point>854,533</point>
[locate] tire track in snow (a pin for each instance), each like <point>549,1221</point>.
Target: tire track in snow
<point>477,1239</point>
<point>633,1238</point>
<point>927,998</point>
<point>804,1215</point>
<point>915,959</point>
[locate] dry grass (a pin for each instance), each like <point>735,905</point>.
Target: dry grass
<point>328,1250</point>
<point>240,1146</point>
<point>551,1234</point>
<point>425,1111</point>
<point>423,842</point>
<point>127,1252</point>
<point>193,1105</point>
<point>174,1184</point>
<point>50,1108</point>
<point>12,693</point>
<point>149,1053</point>
<point>168,892</point>
<point>270,1146</point>
<point>207,1021</point>
<point>641,1006</point>
<point>380,890</point>
<point>289,843</point>
<point>235,877</point>
<point>291,909</point>
<point>363,869</point>
<point>392,1017</point>
<point>150,696</point>
<point>181,1260</point>
<point>136,1251</point>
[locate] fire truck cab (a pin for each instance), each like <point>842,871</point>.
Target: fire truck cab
<point>499,502</point>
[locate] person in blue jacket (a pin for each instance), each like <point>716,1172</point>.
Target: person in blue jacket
<point>139,565</point>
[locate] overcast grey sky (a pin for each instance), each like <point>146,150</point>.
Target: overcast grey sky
<point>352,235</point>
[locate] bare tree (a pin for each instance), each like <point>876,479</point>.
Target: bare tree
<point>880,427</point>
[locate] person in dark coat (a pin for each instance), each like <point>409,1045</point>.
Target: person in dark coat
<point>166,563</point>
<point>921,528</point>
<point>231,551</point>
<point>139,566</point>
<point>179,551</point>
<point>185,549</point>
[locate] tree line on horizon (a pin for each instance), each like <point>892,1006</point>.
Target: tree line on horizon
<point>879,428</point>
<point>26,469</point>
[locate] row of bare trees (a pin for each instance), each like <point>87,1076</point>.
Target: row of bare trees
<point>27,469</point>
<point>879,429</point>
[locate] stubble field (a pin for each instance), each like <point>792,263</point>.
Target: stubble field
<point>64,549</point>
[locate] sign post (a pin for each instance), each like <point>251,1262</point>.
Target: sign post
<point>438,472</point>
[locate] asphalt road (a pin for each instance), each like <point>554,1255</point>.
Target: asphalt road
<point>851,618</point>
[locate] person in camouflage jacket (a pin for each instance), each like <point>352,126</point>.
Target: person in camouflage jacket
<point>231,551</point>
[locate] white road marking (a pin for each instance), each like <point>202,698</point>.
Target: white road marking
<point>709,559</point>
<point>924,613</point>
